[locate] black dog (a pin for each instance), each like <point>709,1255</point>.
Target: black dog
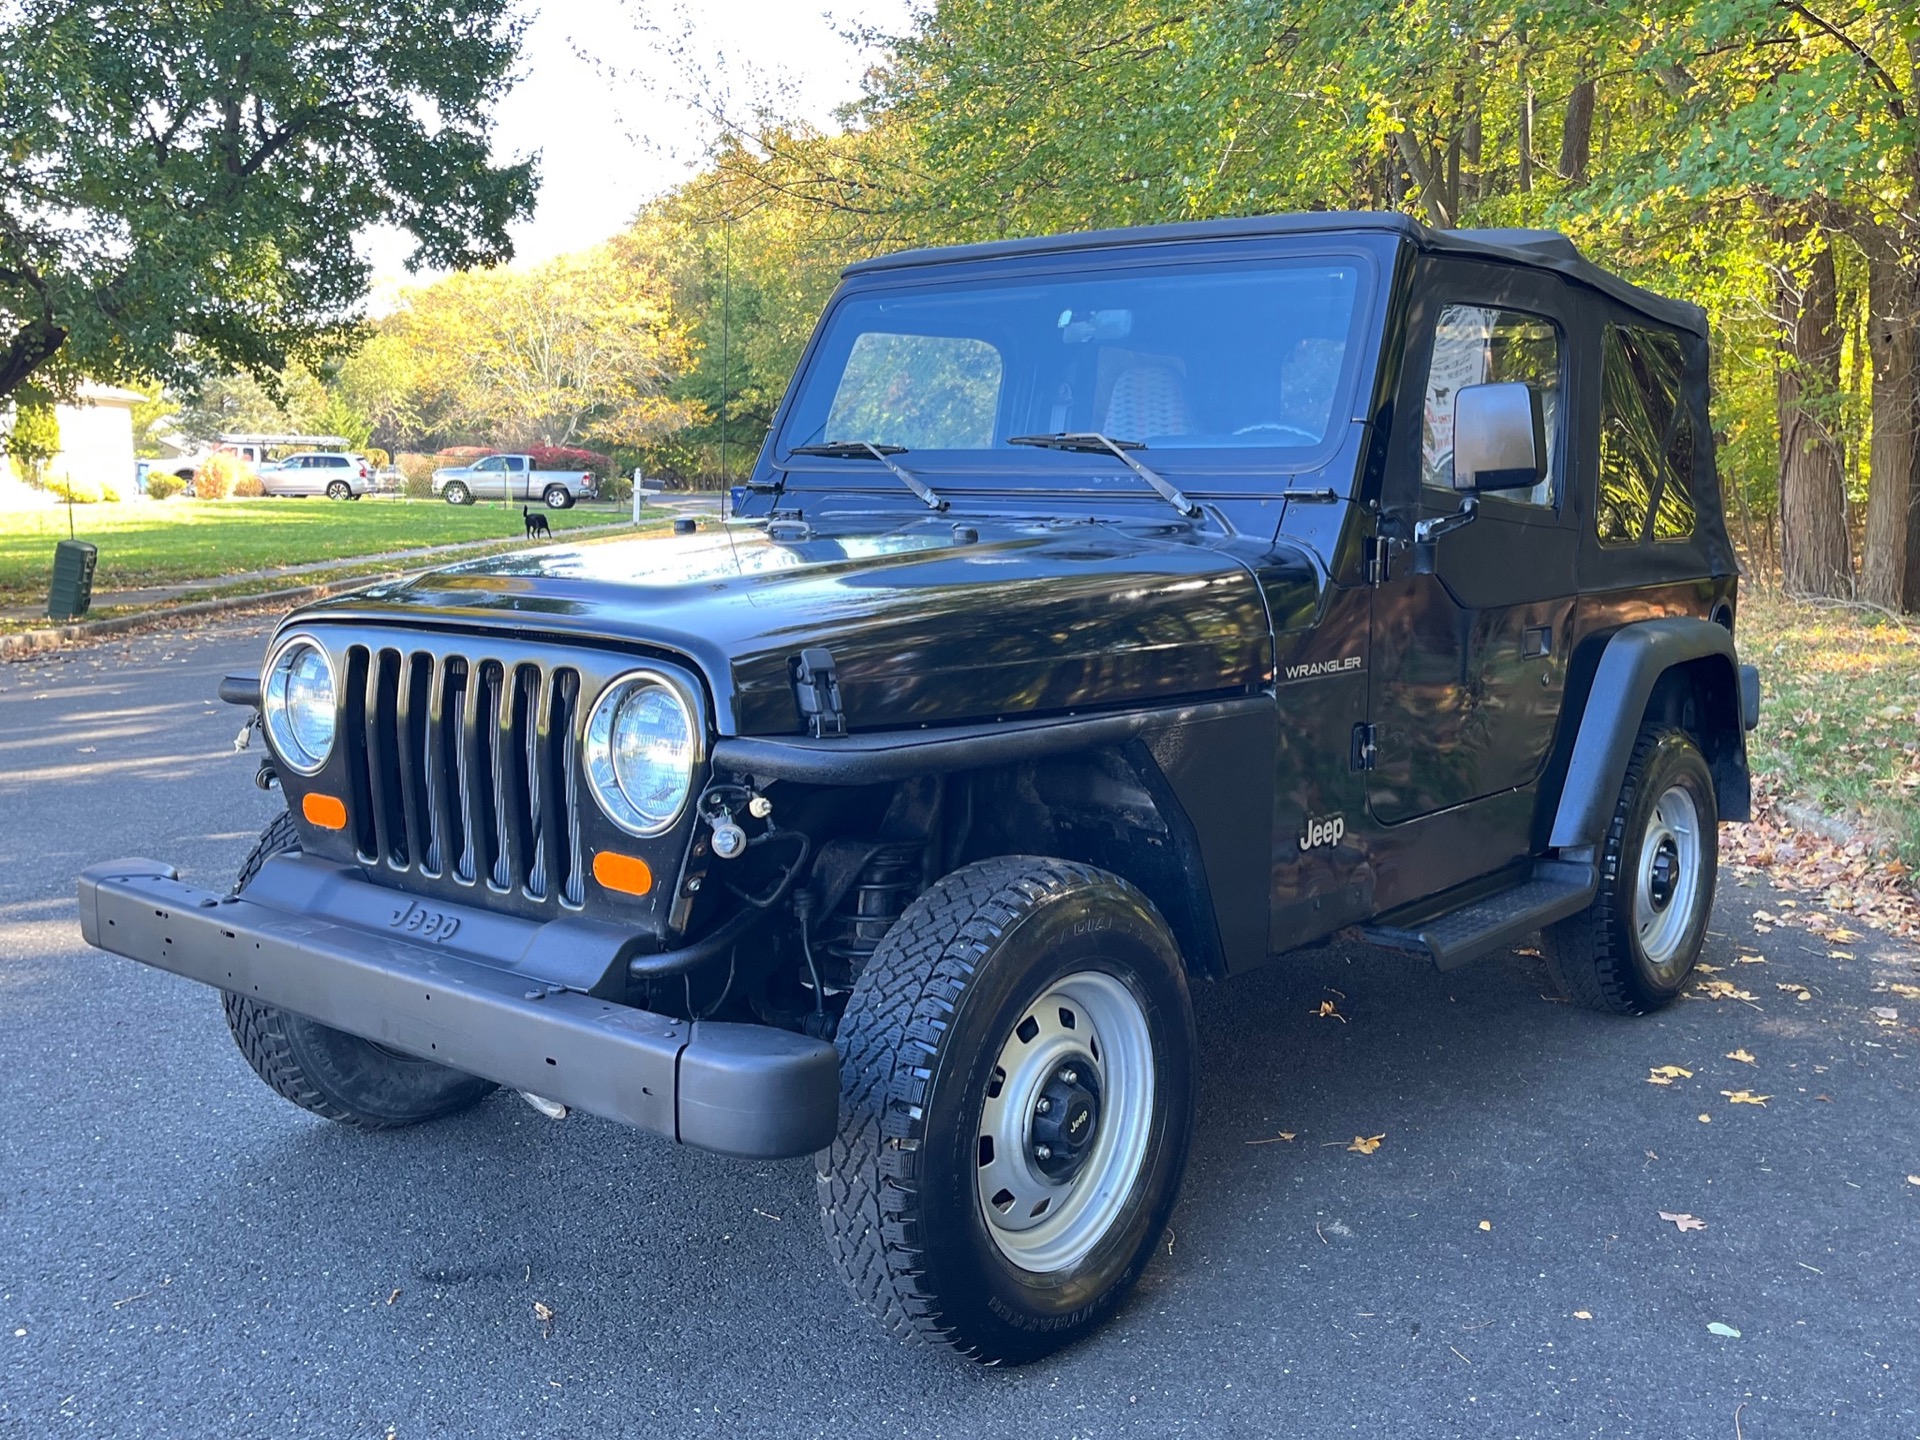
<point>536,524</point>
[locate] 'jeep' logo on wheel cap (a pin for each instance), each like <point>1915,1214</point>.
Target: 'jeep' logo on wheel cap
<point>1323,830</point>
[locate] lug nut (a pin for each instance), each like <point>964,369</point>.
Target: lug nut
<point>1043,1152</point>
<point>1042,1105</point>
<point>1069,1077</point>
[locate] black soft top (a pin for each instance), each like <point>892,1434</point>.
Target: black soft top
<point>1538,249</point>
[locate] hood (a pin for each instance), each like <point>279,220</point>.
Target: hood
<point>923,627</point>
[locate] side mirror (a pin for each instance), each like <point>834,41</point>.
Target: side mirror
<point>1499,438</point>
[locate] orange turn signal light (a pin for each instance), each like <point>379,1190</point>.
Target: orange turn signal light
<point>628,874</point>
<point>325,811</point>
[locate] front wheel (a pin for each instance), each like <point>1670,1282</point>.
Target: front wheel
<point>1018,1071</point>
<point>558,497</point>
<point>1632,950</point>
<point>336,1075</point>
<point>458,494</point>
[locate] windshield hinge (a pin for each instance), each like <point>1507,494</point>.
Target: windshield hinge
<point>1379,554</point>
<point>1366,748</point>
<point>816,690</point>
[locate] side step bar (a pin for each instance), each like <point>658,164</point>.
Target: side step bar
<point>1555,890</point>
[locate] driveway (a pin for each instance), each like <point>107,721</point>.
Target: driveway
<point>182,1253</point>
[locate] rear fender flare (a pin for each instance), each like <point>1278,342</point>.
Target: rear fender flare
<point>1657,667</point>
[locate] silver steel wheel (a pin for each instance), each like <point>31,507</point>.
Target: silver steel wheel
<point>1667,886</point>
<point>1064,1128</point>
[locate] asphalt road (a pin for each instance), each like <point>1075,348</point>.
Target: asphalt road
<point>182,1253</point>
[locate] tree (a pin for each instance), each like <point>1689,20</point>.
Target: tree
<point>184,180</point>
<point>35,436</point>
<point>583,347</point>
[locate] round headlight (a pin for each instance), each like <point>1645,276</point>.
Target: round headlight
<point>297,703</point>
<point>643,745</point>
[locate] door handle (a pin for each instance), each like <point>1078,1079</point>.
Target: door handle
<point>1536,642</point>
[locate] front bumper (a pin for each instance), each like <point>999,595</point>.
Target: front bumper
<point>746,1090</point>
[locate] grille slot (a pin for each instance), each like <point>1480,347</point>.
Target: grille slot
<point>466,769</point>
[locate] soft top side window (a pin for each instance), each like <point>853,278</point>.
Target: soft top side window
<point>1481,345</point>
<point>1646,439</point>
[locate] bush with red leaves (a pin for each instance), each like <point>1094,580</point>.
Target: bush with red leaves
<point>563,457</point>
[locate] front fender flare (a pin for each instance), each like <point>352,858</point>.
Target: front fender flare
<point>1635,659</point>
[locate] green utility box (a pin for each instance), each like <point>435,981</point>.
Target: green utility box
<point>72,591</point>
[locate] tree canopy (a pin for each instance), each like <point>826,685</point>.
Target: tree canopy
<point>184,182</point>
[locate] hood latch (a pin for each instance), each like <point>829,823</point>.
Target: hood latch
<point>816,690</point>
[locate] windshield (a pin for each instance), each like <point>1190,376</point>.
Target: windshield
<point>1249,357</point>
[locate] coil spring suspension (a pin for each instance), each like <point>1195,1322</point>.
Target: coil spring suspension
<point>888,884</point>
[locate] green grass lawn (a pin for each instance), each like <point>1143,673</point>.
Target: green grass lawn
<point>179,539</point>
<point>1839,711</point>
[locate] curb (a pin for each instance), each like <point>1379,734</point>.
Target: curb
<point>22,643</point>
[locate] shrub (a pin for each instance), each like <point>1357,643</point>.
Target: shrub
<point>220,476</point>
<point>248,487</point>
<point>377,458</point>
<point>110,494</point>
<point>563,457</point>
<point>617,488</point>
<point>463,454</point>
<point>161,485</point>
<point>80,492</point>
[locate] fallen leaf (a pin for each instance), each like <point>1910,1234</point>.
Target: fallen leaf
<point>1703,968</point>
<point>1706,1119</point>
<point>1911,992</point>
<point>1742,1056</point>
<point>1794,988</point>
<point>1486,1225</point>
<point>1275,1138</point>
<point>1683,1222</point>
<point>1746,1097</point>
<point>1365,1144</point>
<point>1913,1179</point>
<point>1725,1331</point>
<point>1747,960</point>
<point>1720,990</point>
<point>1887,1013</point>
<point>1327,1012</point>
<point>544,1313</point>
<point>1841,954</point>
<point>1583,1314</point>
<point>1667,1074</point>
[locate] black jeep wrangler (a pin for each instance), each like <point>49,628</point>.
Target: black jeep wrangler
<point>1105,613</point>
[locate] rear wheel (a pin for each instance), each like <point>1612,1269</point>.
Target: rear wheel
<point>339,490</point>
<point>458,494</point>
<point>336,1075</point>
<point>1632,950</point>
<point>1018,1072</point>
<point>558,497</point>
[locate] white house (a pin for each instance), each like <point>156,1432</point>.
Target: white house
<point>96,437</point>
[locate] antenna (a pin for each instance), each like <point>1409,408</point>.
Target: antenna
<point>726,371</point>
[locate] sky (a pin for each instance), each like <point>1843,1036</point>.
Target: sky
<point>607,100</point>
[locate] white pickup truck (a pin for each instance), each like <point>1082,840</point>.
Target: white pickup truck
<point>512,477</point>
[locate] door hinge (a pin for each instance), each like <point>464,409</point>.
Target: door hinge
<point>1366,748</point>
<point>1379,556</point>
<point>816,690</point>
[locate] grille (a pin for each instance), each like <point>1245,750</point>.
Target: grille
<point>466,769</point>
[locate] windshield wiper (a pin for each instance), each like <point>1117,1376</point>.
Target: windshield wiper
<point>867,450</point>
<point>1092,442</point>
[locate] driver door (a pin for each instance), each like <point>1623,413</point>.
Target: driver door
<point>1468,662</point>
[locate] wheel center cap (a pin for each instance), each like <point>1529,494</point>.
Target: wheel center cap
<point>1665,872</point>
<point>1066,1119</point>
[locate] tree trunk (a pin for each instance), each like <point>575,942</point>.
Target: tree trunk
<point>1815,558</point>
<point>1890,560</point>
<point>1576,136</point>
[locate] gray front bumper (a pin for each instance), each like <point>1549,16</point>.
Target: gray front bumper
<point>746,1090</point>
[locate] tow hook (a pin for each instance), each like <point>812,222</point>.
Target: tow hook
<point>552,1109</point>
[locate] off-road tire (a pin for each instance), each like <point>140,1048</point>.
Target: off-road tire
<point>558,497</point>
<point>1596,956</point>
<point>457,494</point>
<point>336,1075</point>
<point>918,1046</point>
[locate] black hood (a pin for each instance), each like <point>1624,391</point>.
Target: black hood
<point>924,627</point>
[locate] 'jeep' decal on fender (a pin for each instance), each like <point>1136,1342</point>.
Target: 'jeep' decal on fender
<point>1314,668</point>
<point>1323,830</point>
